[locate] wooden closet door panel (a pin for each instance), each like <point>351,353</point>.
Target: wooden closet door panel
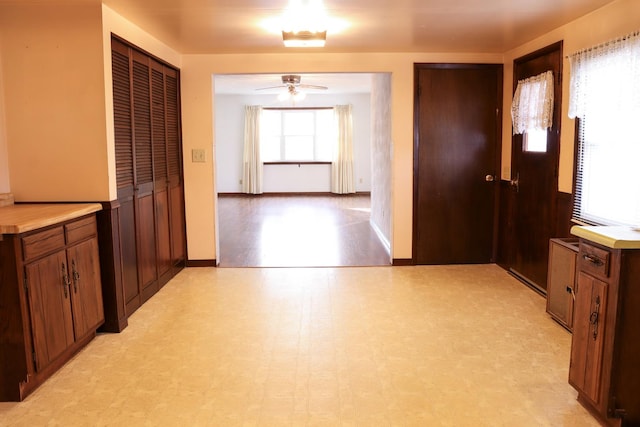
<point>123,135</point>
<point>174,146</point>
<point>163,231</point>
<point>50,305</point>
<point>141,90</point>
<point>178,244</point>
<point>146,242</point>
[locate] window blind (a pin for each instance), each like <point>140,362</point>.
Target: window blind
<point>605,98</point>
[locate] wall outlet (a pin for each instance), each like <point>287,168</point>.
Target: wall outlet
<point>198,155</point>
<point>360,180</point>
<point>240,182</point>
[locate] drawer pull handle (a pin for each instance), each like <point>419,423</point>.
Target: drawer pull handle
<point>592,259</point>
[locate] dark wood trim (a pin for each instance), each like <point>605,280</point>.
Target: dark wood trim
<point>296,163</point>
<point>564,205</point>
<point>201,263</point>
<point>540,52</point>
<point>402,262</point>
<point>115,314</point>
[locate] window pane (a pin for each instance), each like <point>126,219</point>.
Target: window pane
<point>298,123</point>
<point>535,141</point>
<point>270,148</point>
<point>298,148</point>
<point>270,123</point>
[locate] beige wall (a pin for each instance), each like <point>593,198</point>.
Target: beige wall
<point>53,100</point>
<point>56,74</point>
<point>614,20</point>
<point>4,157</point>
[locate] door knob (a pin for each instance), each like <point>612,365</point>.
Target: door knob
<point>515,183</point>
<point>489,178</point>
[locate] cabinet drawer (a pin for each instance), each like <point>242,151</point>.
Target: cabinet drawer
<point>594,259</point>
<point>80,230</point>
<point>42,243</point>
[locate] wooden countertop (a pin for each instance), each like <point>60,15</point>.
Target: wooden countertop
<point>615,237</point>
<point>20,218</point>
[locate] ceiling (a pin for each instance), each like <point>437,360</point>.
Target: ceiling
<point>454,26</point>
<point>236,26</point>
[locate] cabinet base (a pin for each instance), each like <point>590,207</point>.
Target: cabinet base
<point>35,379</point>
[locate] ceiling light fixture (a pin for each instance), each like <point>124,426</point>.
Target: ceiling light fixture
<point>304,24</point>
<point>304,38</point>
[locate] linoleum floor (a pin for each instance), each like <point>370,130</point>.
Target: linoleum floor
<point>378,346</point>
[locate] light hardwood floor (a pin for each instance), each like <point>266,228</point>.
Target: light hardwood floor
<point>298,231</point>
<point>378,346</point>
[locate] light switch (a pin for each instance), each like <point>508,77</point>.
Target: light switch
<point>197,155</point>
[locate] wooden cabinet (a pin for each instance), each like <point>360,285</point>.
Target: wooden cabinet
<point>561,279</point>
<point>147,220</point>
<point>605,345</point>
<point>52,301</point>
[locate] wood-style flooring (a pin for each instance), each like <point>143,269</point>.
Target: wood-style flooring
<point>298,231</point>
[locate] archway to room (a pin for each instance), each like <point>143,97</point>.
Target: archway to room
<point>297,221</point>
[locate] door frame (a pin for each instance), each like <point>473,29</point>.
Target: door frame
<point>416,146</point>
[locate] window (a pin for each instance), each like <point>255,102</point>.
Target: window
<point>302,135</point>
<point>605,97</point>
<point>535,141</point>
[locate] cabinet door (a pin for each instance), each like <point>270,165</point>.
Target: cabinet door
<point>562,273</point>
<point>588,336</point>
<point>50,305</point>
<point>85,289</point>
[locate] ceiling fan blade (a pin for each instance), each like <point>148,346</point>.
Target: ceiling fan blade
<point>272,87</point>
<point>312,86</point>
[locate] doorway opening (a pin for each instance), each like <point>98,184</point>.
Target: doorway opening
<point>295,220</point>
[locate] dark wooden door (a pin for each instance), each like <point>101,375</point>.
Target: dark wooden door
<point>535,179</point>
<point>456,158</point>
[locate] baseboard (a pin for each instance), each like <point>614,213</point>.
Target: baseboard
<point>383,239</point>
<point>201,263</point>
<point>402,262</point>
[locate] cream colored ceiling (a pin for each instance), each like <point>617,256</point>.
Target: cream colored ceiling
<point>488,26</point>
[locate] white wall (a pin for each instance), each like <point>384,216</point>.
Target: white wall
<point>229,134</point>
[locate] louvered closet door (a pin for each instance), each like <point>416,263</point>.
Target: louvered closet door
<point>174,165</point>
<point>145,212</point>
<point>122,105</point>
<point>160,177</point>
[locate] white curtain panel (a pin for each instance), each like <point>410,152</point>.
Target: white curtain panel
<point>532,107</point>
<point>252,163</point>
<point>342,170</point>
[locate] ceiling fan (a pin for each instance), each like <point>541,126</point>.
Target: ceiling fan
<point>293,80</point>
<point>292,83</point>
